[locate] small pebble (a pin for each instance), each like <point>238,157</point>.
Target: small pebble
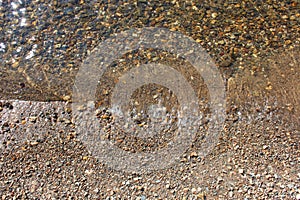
<point>214,15</point>
<point>33,119</point>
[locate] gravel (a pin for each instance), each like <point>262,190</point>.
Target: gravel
<point>256,47</point>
